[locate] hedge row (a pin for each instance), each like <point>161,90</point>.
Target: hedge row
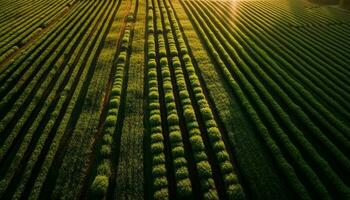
<point>159,171</point>
<point>233,188</point>
<point>183,183</point>
<point>195,138</point>
<point>101,182</point>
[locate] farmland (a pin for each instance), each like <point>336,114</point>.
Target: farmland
<point>174,99</point>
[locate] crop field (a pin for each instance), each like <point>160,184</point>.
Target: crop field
<point>174,99</point>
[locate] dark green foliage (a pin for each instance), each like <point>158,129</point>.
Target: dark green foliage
<point>175,136</point>
<point>159,159</point>
<point>158,170</point>
<point>100,185</point>
<point>155,120</point>
<point>161,194</point>
<point>197,143</point>
<point>204,169</point>
<point>157,148</point>
<point>184,188</point>
<point>107,139</point>
<point>105,151</point>
<point>111,120</point>
<point>104,168</point>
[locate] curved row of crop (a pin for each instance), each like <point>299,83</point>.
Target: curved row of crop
<point>291,62</point>
<point>272,15</point>
<point>278,111</point>
<point>265,81</point>
<point>321,44</point>
<point>307,49</point>
<point>309,64</point>
<point>273,70</point>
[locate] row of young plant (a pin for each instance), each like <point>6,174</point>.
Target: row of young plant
<point>337,38</point>
<point>304,98</point>
<point>28,12</point>
<point>31,96</point>
<point>194,134</point>
<point>45,176</point>
<point>329,67</point>
<point>326,171</point>
<point>298,49</point>
<point>301,99</point>
<point>101,180</point>
<point>322,40</point>
<point>340,140</point>
<point>181,170</point>
<point>233,188</point>
<point>321,33</point>
<point>37,123</point>
<point>340,99</point>
<point>33,71</point>
<point>22,33</point>
<point>12,135</point>
<point>11,10</point>
<point>27,52</point>
<point>294,64</point>
<point>285,167</point>
<point>159,170</point>
<point>18,74</point>
<point>316,132</point>
<point>8,11</point>
<point>60,86</point>
<point>43,123</point>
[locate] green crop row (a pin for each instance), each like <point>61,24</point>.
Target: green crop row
<point>183,183</point>
<point>101,181</point>
<point>233,188</point>
<point>159,171</point>
<point>26,30</point>
<point>284,166</point>
<point>304,99</point>
<point>67,106</point>
<point>226,51</point>
<point>33,127</point>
